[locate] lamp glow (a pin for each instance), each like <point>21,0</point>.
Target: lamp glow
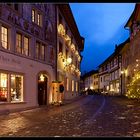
<point>41,77</point>
<point>69,60</point>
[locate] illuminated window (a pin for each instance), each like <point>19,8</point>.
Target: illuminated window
<point>26,46</point>
<point>33,15</point>
<point>16,87</point>
<point>4,37</point>
<point>72,85</point>
<point>67,84</point>
<point>13,91</point>
<point>18,43</point>
<point>3,87</point>
<point>38,19</point>
<point>76,86</point>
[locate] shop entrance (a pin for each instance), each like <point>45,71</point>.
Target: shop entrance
<point>42,89</point>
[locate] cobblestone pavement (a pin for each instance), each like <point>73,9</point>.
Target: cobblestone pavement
<point>90,116</point>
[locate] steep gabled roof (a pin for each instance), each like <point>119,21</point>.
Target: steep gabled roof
<point>116,52</point>
<point>133,16</point>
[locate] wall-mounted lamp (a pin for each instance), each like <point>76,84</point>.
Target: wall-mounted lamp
<point>67,62</point>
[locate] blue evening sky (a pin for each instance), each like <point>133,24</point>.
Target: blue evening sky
<point>102,26</point>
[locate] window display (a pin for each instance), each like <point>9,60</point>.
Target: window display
<point>11,87</point>
<point>16,87</point>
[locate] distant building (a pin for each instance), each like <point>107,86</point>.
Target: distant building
<point>90,80</point>
<point>110,72</point>
<point>104,76</point>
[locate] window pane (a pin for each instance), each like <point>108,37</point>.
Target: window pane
<point>42,51</point>
<point>26,45</point>
<point>18,43</point>
<point>16,87</point>
<point>72,85</point>
<point>67,83</point>
<point>33,15</point>
<point>37,50</point>
<point>4,37</point>
<point>38,19</point>
<point>3,87</point>
<point>76,86</point>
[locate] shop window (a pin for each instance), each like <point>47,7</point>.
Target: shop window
<point>16,87</point>
<point>3,87</point>
<point>4,37</point>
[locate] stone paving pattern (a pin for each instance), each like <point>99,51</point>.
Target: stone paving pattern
<point>89,116</point>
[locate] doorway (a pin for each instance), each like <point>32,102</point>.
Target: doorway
<point>42,89</point>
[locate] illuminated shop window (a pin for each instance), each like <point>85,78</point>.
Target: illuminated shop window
<point>4,37</point>
<point>16,87</point>
<point>3,87</point>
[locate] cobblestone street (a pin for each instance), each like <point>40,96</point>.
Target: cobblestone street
<point>92,115</point>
